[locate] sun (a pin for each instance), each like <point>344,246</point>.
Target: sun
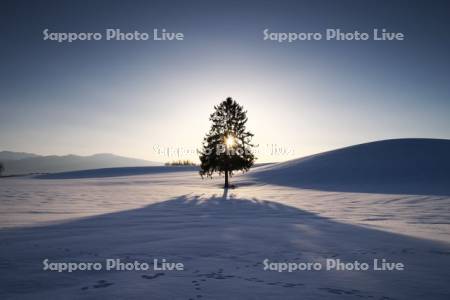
<point>230,141</point>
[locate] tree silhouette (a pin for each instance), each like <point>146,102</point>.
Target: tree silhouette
<point>2,168</point>
<point>227,146</point>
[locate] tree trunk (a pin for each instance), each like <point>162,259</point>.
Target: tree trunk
<point>226,179</point>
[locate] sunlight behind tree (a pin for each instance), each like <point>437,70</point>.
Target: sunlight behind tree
<point>227,146</point>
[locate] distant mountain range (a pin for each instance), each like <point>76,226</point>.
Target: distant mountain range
<point>25,163</point>
<point>10,155</point>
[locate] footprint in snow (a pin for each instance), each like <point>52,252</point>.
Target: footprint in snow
<point>152,276</point>
<point>102,284</point>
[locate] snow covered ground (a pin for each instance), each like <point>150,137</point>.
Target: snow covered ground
<point>221,237</point>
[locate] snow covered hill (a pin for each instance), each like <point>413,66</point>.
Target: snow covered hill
<point>223,237</point>
<point>117,172</point>
<point>414,166</point>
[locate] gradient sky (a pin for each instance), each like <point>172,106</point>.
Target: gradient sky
<point>125,97</point>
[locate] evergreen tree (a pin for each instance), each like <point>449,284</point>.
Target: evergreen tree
<point>227,146</point>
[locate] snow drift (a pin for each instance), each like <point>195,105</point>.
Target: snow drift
<point>392,166</point>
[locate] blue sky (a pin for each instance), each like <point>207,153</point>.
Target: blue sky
<point>125,97</point>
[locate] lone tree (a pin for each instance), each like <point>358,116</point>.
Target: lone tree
<point>2,168</point>
<point>227,146</point>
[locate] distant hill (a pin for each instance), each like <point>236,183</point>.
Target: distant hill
<point>388,166</point>
<point>25,163</point>
<point>117,172</point>
<point>10,155</point>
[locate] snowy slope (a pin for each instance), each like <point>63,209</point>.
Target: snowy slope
<point>391,166</point>
<point>222,237</point>
<point>117,172</point>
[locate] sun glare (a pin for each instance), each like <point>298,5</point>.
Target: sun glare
<point>230,141</point>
